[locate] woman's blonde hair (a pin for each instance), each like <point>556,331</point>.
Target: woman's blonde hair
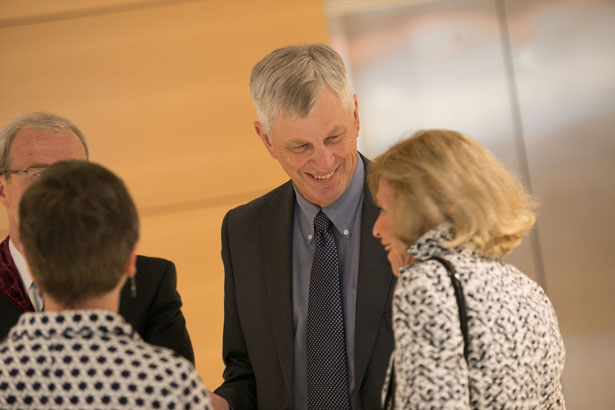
<point>440,176</point>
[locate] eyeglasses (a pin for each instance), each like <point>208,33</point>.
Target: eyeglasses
<point>31,172</point>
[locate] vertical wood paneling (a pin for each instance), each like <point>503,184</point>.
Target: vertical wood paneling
<point>162,95</point>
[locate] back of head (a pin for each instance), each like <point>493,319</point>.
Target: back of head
<point>445,176</point>
<point>289,80</point>
<point>38,120</point>
<point>78,226</point>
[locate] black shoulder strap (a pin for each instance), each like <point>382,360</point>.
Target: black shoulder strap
<point>389,401</point>
<point>461,302</point>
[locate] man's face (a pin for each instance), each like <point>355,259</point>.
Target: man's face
<point>33,147</point>
<point>318,152</point>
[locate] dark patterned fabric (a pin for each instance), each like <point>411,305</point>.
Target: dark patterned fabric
<point>10,281</point>
<point>92,359</point>
<point>516,353</point>
<point>326,343</point>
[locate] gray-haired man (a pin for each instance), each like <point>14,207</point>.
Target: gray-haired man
<point>28,145</point>
<point>279,347</point>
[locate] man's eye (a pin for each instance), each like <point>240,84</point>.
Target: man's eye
<point>35,172</point>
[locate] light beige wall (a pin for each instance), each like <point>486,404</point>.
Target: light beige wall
<point>160,88</point>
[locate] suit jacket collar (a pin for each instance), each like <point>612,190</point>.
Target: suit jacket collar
<point>276,236</point>
<point>11,285</point>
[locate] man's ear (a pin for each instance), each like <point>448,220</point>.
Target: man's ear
<point>3,199</point>
<point>260,130</point>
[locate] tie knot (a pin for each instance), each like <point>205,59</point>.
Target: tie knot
<point>321,222</point>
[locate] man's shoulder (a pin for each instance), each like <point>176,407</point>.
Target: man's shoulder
<point>272,199</point>
<point>154,266</point>
<point>366,161</point>
<point>152,261</point>
<point>6,260</point>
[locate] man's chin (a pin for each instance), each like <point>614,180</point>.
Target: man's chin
<point>326,200</point>
<point>319,194</point>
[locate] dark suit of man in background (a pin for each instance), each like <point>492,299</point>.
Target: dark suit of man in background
<point>309,122</point>
<point>28,145</point>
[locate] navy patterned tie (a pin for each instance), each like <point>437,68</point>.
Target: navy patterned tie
<point>326,342</point>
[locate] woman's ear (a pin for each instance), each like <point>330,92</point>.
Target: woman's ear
<point>131,264</point>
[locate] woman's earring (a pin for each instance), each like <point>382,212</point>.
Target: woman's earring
<point>133,287</point>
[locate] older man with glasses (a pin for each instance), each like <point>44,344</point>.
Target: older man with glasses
<point>150,302</point>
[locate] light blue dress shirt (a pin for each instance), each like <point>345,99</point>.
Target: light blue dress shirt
<point>345,214</point>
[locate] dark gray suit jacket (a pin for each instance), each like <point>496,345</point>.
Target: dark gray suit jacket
<point>258,308</point>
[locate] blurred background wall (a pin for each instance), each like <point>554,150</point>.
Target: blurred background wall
<point>160,88</point>
<point>533,80</point>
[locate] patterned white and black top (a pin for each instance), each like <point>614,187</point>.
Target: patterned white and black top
<point>92,359</point>
<point>516,353</point>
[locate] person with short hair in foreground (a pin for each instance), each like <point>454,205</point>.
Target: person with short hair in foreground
<point>307,288</point>
<point>470,330</point>
<point>79,229</point>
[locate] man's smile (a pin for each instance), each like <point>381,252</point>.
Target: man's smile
<point>323,177</point>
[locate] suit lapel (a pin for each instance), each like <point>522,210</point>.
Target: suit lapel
<point>373,287</point>
<point>276,238</point>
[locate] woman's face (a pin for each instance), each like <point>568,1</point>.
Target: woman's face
<point>383,229</point>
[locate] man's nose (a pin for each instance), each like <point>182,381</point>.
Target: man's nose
<point>323,158</point>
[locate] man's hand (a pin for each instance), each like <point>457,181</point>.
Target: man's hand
<point>218,402</point>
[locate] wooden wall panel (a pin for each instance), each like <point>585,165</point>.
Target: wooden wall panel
<point>162,95</point>
<point>19,9</point>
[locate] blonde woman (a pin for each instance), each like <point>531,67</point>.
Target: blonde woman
<point>446,200</point>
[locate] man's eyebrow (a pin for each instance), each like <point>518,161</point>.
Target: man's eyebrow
<point>338,129</point>
<point>38,165</point>
<point>297,141</point>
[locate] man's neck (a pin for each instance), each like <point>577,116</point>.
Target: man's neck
<point>14,235</point>
<point>109,301</point>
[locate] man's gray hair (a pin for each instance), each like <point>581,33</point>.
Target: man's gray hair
<point>289,81</point>
<point>37,120</point>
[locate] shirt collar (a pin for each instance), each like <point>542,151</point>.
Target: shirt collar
<point>20,263</point>
<point>342,212</point>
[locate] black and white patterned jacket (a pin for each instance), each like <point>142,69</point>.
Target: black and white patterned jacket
<point>92,359</point>
<point>516,353</point>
